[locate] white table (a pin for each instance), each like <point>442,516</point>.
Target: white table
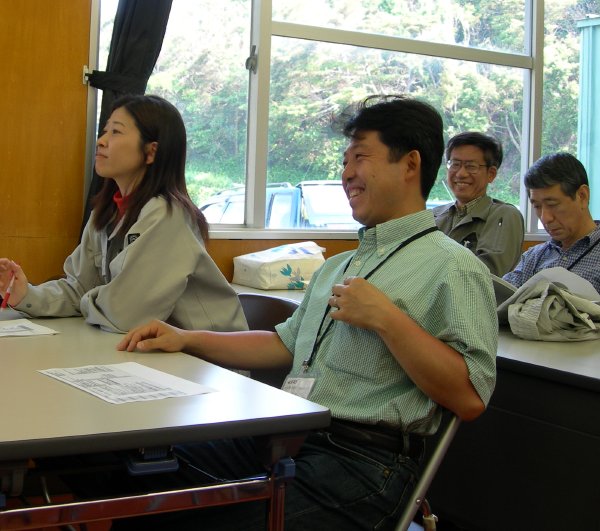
<point>50,418</point>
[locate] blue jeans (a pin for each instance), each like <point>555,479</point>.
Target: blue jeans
<point>338,485</point>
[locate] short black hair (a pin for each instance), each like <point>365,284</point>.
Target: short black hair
<point>557,168</point>
<point>403,124</point>
<point>491,147</point>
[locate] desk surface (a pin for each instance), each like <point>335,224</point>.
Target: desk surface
<point>573,362</point>
<point>49,417</point>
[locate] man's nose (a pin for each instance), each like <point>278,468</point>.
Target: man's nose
<point>546,215</point>
<point>461,172</point>
<point>347,172</point>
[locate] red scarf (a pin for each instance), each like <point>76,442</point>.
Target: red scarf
<point>121,202</point>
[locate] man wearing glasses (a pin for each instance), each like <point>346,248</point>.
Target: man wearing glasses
<point>493,230</point>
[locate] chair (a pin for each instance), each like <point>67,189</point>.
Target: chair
<point>417,501</point>
<point>263,312</point>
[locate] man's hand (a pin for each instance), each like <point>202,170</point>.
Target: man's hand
<point>359,303</point>
<point>155,335</point>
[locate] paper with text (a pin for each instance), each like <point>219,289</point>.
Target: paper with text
<point>23,327</point>
<point>126,382</point>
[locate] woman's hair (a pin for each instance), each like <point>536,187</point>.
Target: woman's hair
<point>158,121</point>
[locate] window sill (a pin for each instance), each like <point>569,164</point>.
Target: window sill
<point>276,234</point>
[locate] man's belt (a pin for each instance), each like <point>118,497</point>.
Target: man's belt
<point>410,445</point>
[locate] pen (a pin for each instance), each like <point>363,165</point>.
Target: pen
<point>7,293</point>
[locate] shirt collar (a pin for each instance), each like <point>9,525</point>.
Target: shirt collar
<point>397,230</point>
<point>121,202</point>
<point>468,208</point>
<point>589,238</point>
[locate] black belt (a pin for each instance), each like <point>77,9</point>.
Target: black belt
<point>409,444</point>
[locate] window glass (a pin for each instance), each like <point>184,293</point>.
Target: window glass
<point>325,206</point>
<point>310,81</point>
<point>279,211</point>
<point>213,212</point>
<point>201,71</point>
<point>234,210</point>
<point>571,85</point>
<point>486,24</point>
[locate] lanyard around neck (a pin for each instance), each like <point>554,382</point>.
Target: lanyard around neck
<point>582,255</point>
<point>320,336</point>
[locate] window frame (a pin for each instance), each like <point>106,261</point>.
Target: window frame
<point>264,28</point>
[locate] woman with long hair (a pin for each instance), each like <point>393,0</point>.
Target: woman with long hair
<point>142,252</point>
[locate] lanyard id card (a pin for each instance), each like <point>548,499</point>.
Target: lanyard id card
<point>298,385</point>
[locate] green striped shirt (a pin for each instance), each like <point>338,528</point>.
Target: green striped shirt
<point>438,283</point>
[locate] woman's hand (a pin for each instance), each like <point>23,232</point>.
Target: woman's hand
<point>18,290</point>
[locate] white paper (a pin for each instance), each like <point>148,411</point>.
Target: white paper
<point>23,327</point>
<point>126,382</point>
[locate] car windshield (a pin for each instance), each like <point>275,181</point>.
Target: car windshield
<point>318,204</point>
<point>327,206</point>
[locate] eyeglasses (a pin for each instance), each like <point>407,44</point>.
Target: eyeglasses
<point>470,167</point>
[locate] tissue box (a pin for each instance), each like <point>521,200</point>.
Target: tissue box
<point>288,266</point>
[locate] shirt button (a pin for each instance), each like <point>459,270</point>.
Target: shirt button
<point>357,263</point>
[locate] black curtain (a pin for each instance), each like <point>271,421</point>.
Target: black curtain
<point>137,38</point>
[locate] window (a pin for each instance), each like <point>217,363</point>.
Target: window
<point>571,82</point>
<point>269,129</point>
<point>487,25</point>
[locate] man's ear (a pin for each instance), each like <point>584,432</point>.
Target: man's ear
<point>150,149</point>
<point>413,165</point>
<point>492,172</point>
<point>583,194</point>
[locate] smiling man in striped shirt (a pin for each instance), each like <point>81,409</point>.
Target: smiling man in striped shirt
<point>385,337</point>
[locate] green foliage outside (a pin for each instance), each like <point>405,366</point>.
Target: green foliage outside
<point>201,70</point>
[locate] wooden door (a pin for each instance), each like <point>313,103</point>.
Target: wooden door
<point>43,47</point>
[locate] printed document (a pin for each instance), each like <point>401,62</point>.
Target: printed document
<point>126,382</point>
<point>23,327</point>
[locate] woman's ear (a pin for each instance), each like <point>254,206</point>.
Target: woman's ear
<point>150,149</point>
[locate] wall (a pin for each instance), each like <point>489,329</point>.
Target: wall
<point>42,139</point>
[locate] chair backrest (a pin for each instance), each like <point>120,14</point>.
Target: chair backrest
<point>446,434</point>
<point>263,312</point>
